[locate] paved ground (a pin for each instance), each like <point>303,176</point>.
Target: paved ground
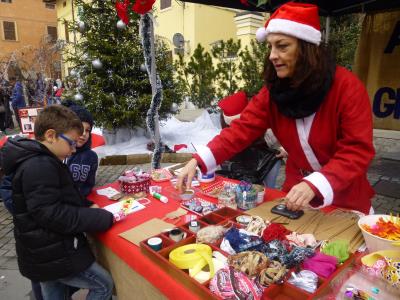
<point>385,169</point>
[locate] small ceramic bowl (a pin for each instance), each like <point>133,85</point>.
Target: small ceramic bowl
<point>155,243</point>
<point>187,195</point>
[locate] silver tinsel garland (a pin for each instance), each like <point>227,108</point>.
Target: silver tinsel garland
<point>152,118</point>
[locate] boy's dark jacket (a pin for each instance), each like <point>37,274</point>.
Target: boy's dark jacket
<point>49,218</point>
<point>83,166</point>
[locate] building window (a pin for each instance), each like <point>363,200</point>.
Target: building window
<point>50,5</point>
<point>165,4</point>
<point>6,1</point>
<point>66,31</point>
<point>52,32</point>
<point>64,3</point>
<point>9,30</point>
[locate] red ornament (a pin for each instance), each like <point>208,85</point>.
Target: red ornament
<point>245,2</point>
<point>122,10</point>
<point>143,6</point>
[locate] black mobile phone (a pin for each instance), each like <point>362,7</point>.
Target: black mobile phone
<point>281,209</point>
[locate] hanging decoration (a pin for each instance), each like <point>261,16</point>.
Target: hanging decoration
<point>152,119</point>
<point>122,10</point>
<point>81,26</point>
<point>143,68</point>
<point>174,107</point>
<point>78,97</point>
<point>143,6</point>
<point>97,64</point>
<point>73,73</point>
<point>121,25</point>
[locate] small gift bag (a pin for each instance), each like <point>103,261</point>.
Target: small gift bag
<point>133,182</point>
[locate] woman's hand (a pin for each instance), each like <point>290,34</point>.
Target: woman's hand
<point>188,171</point>
<point>299,196</point>
<point>282,153</point>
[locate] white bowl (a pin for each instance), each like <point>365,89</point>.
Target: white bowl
<point>187,195</point>
<point>375,243</point>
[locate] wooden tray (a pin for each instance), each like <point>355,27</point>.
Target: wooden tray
<point>225,216</point>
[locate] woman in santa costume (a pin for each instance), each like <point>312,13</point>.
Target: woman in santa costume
<point>318,111</point>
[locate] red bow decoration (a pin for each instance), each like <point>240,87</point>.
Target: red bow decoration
<point>143,6</point>
<point>122,10</point>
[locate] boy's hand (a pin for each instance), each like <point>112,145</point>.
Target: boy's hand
<point>94,206</point>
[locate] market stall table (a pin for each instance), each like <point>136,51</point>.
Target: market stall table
<point>136,275</point>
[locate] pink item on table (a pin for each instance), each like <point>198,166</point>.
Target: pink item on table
<point>321,264</point>
<point>119,216</point>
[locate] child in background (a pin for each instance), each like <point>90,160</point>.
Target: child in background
<point>49,216</point>
<point>84,162</point>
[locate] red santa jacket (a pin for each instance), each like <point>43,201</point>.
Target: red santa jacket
<point>330,149</point>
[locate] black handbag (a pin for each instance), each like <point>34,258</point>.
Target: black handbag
<point>251,165</point>
<point>267,162</point>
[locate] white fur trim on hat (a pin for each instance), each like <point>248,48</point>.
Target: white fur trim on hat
<point>298,30</point>
<point>228,119</point>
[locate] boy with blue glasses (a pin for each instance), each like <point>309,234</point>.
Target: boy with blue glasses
<point>49,215</point>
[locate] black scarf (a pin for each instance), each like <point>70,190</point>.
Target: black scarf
<point>299,102</point>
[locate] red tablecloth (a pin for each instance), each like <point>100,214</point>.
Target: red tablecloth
<point>132,255</point>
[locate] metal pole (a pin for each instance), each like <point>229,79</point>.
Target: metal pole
<point>327,29</point>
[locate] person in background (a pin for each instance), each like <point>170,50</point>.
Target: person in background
<point>247,165</point>
<point>3,108</point>
<point>319,112</point>
<point>84,162</point>
<point>40,89</point>
<point>49,215</point>
<point>59,93</point>
<point>17,98</point>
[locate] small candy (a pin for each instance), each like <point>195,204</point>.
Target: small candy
<point>348,294</point>
<point>375,290</point>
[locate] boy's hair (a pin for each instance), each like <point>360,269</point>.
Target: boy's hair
<point>59,118</point>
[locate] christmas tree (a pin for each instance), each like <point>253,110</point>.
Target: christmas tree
<point>108,67</point>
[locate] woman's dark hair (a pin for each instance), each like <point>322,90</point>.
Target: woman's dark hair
<point>312,66</point>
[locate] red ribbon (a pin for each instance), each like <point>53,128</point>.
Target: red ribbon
<point>143,6</point>
<point>122,10</point>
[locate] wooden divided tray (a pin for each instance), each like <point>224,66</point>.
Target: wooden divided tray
<point>226,217</point>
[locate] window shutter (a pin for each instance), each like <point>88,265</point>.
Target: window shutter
<point>9,31</point>
<point>66,31</point>
<point>165,4</point>
<point>52,32</point>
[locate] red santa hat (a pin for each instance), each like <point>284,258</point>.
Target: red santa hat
<point>232,106</point>
<point>299,20</point>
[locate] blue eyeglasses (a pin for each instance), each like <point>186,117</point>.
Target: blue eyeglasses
<point>70,142</point>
